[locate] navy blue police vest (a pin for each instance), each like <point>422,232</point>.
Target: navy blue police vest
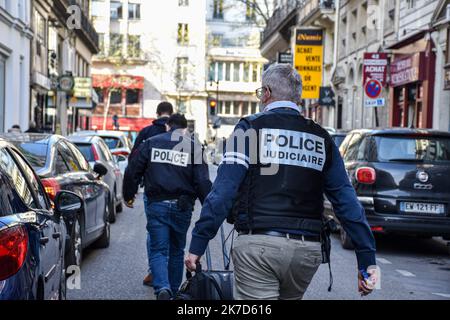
<point>284,185</point>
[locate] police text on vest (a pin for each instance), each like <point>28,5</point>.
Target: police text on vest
<point>293,148</point>
<point>175,158</point>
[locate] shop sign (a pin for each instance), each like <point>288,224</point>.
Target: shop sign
<point>408,69</point>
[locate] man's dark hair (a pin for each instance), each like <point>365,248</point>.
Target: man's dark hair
<point>164,108</point>
<point>16,126</point>
<point>177,121</point>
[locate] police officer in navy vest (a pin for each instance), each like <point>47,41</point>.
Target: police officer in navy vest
<point>158,126</point>
<point>274,173</point>
<point>175,175</point>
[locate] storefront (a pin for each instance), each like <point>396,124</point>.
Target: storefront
<point>447,66</point>
<point>412,87</point>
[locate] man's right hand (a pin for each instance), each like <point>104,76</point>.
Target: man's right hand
<point>366,286</point>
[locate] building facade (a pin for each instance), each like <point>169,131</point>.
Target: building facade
<point>234,62</point>
<point>148,55</point>
<point>279,40</point>
<point>64,42</point>
<point>15,41</point>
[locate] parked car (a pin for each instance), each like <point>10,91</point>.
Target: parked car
<point>401,177</point>
<point>32,233</point>
<point>61,166</point>
<point>117,142</point>
<point>95,150</point>
<point>339,137</point>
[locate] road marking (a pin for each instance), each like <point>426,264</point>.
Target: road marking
<point>383,261</point>
<point>445,295</point>
<point>405,273</point>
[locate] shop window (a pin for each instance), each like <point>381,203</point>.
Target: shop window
<point>116,97</point>
<point>101,96</point>
<point>133,96</point>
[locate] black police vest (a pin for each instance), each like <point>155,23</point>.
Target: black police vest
<point>284,185</point>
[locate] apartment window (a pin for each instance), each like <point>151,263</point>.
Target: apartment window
<point>41,32</point>
<point>134,11</point>
<point>410,4</point>
<point>228,108</point>
<point>212,71</point>
<point>116,10</point>
<point>250,12</point>
<point>218,9</point>
<point>220,71</point>
<point>448,46</point>
<point>101,44</point>
<point>183,3</point>
<point>98,8</point>
<point>255,72</point>
<point>254,108</point>
<point>182,69</point>
<point>100,94</point>
<point>246,72</point>
<point>116,96</point>
<point>227,71</point>
<point>2,92</point>
<point>183,34</point>
<point>115,45</point>
<point>237,72</point>
<point>134,46</point>
<point>132,96</point>
<point>217,39</point>
<point>246,108</point>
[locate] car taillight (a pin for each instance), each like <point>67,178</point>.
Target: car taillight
<point>366,175</point>
<point>52,187</point>
<point>95,153</point>
<point>13,250</point>
<point>121,153</point>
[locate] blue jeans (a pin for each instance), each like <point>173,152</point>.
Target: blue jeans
<point>167,226</point>
<point>148,235</point>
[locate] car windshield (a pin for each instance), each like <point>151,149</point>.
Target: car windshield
<point>36,153</point>
<point>413,149</point>
<point>86,150</point>
<point>338,140</point>
<point>112,143</point>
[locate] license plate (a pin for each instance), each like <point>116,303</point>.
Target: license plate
<point>418,207</point>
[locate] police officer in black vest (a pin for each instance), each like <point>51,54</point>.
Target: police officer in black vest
<point>175,175</point>
<point>274,173</point>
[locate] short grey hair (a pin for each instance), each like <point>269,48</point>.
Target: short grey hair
<point>284,82</point>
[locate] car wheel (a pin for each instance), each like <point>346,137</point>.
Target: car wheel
<point>103,241</point>
<point>345,240</point>
<point>119,207</point>
<point>112,211</point>
<point>76,253</point>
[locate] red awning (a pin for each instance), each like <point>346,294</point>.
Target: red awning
<point>126,124</point>
<point>117,81</point>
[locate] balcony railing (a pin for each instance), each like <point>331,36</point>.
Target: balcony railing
<point>302,8</point>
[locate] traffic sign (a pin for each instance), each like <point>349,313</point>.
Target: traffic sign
<point>373,89</point>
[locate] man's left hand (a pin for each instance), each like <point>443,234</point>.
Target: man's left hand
<point>191,262</point>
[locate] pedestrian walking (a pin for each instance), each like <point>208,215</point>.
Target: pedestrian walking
<point>158,126</point>
<point>274,187</point>
<point>175,175</point>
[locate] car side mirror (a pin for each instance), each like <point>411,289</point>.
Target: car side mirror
<point>67,203</point>
<point>100,169</point>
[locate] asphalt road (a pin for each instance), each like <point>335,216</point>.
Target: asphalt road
<point>410,268</point>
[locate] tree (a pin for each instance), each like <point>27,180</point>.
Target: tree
<point>257,11</point>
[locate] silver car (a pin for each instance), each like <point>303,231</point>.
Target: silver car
<point>95,150</point>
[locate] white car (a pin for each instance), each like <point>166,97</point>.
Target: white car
<point>117,142</point>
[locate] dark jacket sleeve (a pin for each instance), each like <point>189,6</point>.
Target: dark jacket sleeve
<point>349,211</point>
<point>135,171</point>
<point>202,182</point>
<point>140,138</point>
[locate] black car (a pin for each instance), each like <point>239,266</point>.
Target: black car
<point>61,166</point>
<point>32,233</point>
<point>402,178</point>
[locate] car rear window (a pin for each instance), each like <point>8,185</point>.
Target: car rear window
<point>421,149</point>
<point>86,150</point>
<point>112,143</point>
<point>36,153</point>
<point>338,140</point>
